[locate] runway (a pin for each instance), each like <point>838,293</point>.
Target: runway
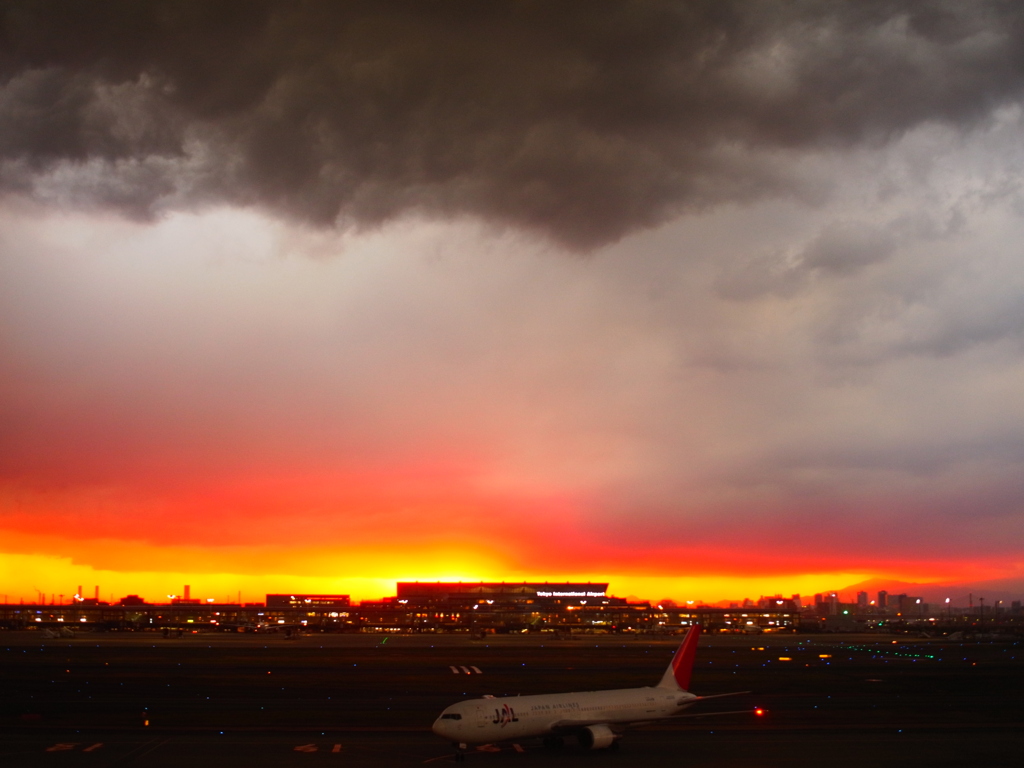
<point>261,700</point>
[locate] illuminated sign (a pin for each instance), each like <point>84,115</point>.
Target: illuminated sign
<point>569,594</point>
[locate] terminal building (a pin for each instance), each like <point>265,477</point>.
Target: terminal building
<point>505,593</point>
<point>501,606</point>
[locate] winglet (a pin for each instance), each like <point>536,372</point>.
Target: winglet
<point>677,676</point>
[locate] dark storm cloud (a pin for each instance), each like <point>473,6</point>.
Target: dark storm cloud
<point>582,122</point>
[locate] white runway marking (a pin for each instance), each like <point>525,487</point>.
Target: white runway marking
<point>470,670</point>
<point>97,745</point>
<point>61,747</point>
<point>306,748</point>
<point>518,747</point>
<point>336,748</point>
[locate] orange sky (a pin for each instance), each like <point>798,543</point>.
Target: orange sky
<point>358,534</point>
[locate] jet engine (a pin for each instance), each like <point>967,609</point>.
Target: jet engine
<point>597,737</point>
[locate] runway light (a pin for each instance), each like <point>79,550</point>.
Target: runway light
<point>759,712</point>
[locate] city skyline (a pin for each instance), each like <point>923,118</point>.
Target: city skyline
<point>967,596</point>
<point>703,299</point>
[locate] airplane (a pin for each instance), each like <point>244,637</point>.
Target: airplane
<point>596,718</point>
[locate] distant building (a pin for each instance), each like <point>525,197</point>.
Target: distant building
<point>908,605</point>
<point>862,601</point>
<point>912,606</point>
<point>186,598</point>
<point>883,599</point>
<point>779,603</point>
<point>469,592</point>
<point>308,601</point>
<point>131,600</point>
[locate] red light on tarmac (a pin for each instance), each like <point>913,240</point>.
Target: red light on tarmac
<point>759,712</point>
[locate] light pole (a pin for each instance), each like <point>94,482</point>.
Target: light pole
<point>949,611</point>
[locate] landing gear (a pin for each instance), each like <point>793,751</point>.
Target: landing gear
<point>460,753</point>
<point>553,743</point>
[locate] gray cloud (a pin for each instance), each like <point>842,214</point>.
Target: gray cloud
<point>842,248</point>
<point>580,124</point>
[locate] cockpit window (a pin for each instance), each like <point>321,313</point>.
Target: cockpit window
<point>451,716</point>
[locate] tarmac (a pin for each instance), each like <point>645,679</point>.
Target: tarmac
<point>138,699</point>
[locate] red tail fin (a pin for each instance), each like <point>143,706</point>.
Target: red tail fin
<point>678,672</point>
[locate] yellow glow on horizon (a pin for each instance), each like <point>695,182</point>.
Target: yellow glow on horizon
<point>152,571</point>
<point>22,574</point>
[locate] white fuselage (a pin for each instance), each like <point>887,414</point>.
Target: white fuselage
<point>483,721</point>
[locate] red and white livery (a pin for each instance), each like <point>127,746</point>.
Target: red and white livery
<point>596,718</point>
